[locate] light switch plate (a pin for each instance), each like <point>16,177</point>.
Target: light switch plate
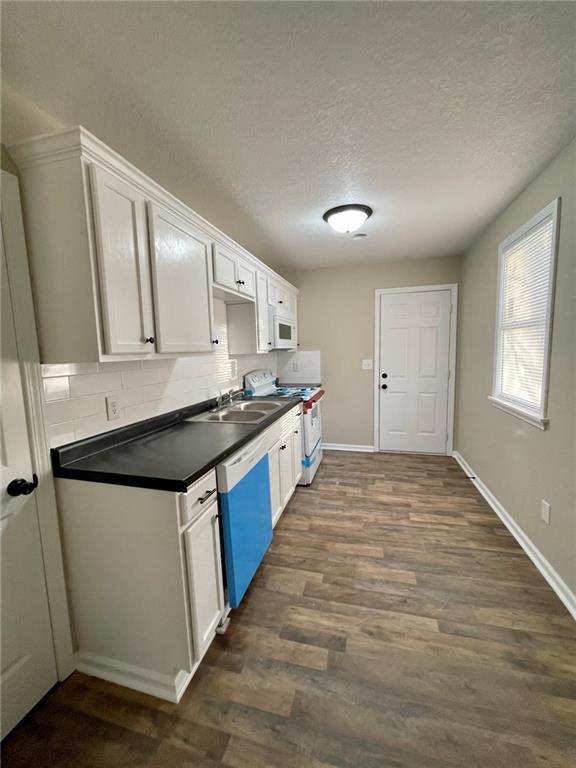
<point>112,408</point>
<point>546,509</point>
<point>367,365</point>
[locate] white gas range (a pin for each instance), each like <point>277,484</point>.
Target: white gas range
<point>263,383</point>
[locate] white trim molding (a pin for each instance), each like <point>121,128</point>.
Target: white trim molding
<point>163,686</point>
<point>534,414</point>
<point>348,447</point>
<point>453,288</point>
<point>553,578</point>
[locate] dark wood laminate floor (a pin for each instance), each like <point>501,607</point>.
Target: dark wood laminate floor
<point>394,624</point>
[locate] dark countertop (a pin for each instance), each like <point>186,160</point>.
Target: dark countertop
<point>166,453</point>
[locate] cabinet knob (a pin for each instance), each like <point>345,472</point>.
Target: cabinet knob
<point>282,447</point>
<point>150,340</point>
<point>295,431</point>
<point>280,301</point>
<point>214,341</point>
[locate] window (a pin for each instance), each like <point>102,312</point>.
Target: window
<point>526,267</point>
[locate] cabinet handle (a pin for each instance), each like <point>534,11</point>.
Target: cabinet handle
<point>214,341</point>
<point>206,496</point>
<point>149,340</point>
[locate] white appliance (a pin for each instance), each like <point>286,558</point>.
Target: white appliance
<point>283,331</point>
<point>263,383</point>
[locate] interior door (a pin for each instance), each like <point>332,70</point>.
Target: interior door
<point>182,283</point>
<point>28,667</point>
<point>414,371</point>
<point>202,542</point>
<point>122,247</point>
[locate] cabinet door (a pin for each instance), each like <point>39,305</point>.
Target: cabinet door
<point>286,467</point>
<point>262,318</point>
<point>246,278</point>
<point>292,304</point>
<point>122,250</point>
<point>296,454</point>
<point>182,283</point>
<point>275,490</point>
<point>202,542</point>
<point>225,267</point>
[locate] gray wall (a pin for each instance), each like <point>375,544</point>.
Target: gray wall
<point>336,316</point>
<point>519,463</point>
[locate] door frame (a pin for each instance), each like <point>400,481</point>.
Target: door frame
<point>29,355</point>
<point>453,288</point>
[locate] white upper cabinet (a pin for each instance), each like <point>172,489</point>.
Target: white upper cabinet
<point>246,278</point>
<point>121,269</point>
<point>263,325</point>
<point>122,251</point>
<point>225,267</point>
<point>233,272</point>
<point>182,283</point>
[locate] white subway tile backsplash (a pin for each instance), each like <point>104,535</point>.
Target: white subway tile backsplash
<point>57,388</point>
<point>68,369</point>
<point>59,434</point>
<point>92,383</point>
<point>144,388</point>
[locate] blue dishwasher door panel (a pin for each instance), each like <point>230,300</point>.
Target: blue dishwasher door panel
<point>247,527</point>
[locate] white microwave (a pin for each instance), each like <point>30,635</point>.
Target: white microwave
<point>283,332</point>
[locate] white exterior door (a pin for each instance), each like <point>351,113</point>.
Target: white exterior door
<point>182,283</point>
<point>202,543</point>
<point>122,247</point>
<point>414,371</point>
<point>27,657</point>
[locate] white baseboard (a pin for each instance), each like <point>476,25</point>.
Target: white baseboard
<point>348,447</point>
<point>546,569</point>
<point>167,687</point>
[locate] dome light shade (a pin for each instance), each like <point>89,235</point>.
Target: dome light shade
<point>347,218</point>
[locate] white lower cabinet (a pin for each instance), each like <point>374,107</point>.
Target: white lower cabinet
<point>284,460</point>
<point>204,565</point>
<point>145,581</point>
<point>274,469</point>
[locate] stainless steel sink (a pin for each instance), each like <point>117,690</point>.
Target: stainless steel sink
<point>244,412</point>
<point>256,406</point>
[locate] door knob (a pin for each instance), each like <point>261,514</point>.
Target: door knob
<point>384,386</point>
<point>384,375</point>
<point>22,487</point>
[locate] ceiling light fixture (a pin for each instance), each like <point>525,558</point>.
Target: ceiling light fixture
<point>347,218</point>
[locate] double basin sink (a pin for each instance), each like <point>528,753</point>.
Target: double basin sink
<point>250,412</point>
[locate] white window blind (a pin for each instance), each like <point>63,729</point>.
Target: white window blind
<point>525,297</point>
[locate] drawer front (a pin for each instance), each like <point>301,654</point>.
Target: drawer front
<point>199,496</point>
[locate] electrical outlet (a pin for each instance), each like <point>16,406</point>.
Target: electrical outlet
<point>112,408</point>
<point>366,365</point>
<point>546,510</point>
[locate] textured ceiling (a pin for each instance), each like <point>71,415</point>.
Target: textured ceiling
<point>263,115</point>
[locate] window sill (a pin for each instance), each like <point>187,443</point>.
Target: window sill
<point>529,418</point>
